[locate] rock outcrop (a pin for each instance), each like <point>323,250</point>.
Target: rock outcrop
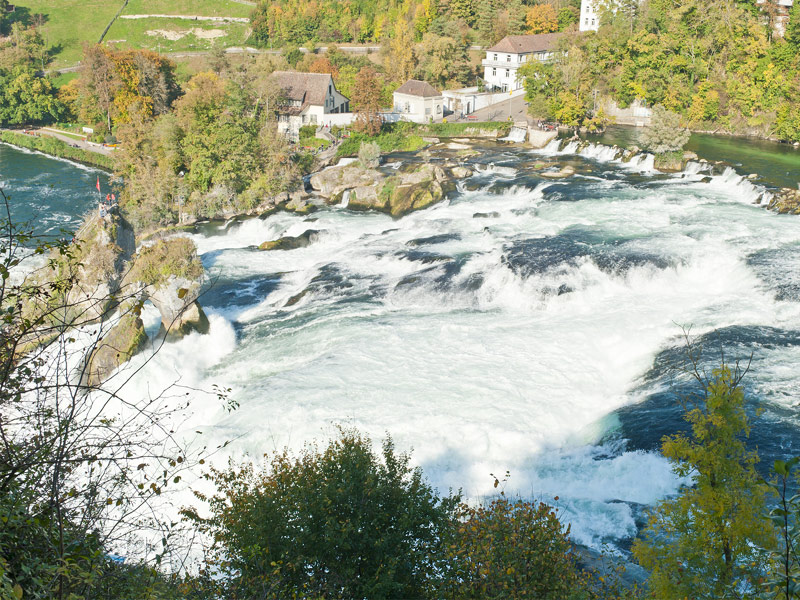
<point>170,275</point>
<point>102,247</point>
<point>566,171</point>
<point>123,341</point>
<point>332,182</point>
<point>370,189</point>
<point>290,242</point>
<point>786,201</point>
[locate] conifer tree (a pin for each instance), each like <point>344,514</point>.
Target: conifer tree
<point>516,18</point>
<point>486,16</point>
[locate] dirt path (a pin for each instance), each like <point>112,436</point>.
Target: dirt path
<point>189,18</point>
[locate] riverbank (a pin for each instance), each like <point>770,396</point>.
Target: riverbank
<point>58,148</point>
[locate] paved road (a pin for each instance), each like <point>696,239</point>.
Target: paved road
<point>500,111</point>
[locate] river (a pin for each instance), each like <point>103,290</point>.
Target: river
<point>524,324</point>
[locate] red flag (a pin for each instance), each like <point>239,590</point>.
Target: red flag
<point>98,183</point>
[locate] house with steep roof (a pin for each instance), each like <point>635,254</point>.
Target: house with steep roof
<point>504,59</point>
<point>307,99</point>
<point>418,101</point>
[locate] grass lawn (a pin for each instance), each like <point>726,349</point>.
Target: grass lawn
<point>127,33</point>
<point>69,23</point>
<point>203,8</point>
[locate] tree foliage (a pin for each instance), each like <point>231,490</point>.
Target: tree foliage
<point>665,134</point>
<point>542,18</point>
<point>708,541</point>
<point>510,548</point>
<point>342,522</point>
<point>367,99</point>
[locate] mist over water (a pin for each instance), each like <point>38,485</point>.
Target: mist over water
<point>523,324</point>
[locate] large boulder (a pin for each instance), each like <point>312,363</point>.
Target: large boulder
<point>332,182</point>
<point>125,339</point>
<point>402,193</point>
<point>171,275</point>
<point>102,247</point>
<point>291,242</point>
<point>786,200</point>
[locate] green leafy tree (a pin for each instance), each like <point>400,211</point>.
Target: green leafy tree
<point>793,27</point>
<point>510,549</point>
<point>27,98</point>
<point>343,522</point>
<point>707,541</point>
<point>666,133</point>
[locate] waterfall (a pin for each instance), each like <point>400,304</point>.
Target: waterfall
<point>517,134</point>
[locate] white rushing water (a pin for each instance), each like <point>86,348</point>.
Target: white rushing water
<point>498,330</point>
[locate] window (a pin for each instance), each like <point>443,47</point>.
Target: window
<point>508,58</point>
<point>586,21</point>
<point>494,72</point>
<point>438,109</point>
<point>495,57</point>
<point>508,73</point>
<point>313,118</point>
<point>408,107</point>
<point>428,110</point>
<point>592,21</point>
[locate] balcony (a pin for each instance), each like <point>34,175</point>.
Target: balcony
<point>501,64</point>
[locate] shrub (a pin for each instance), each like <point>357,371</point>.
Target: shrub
<point>369,154</point>
<point>510,549</point>
<point>341,523</point>
<point>665,134</point>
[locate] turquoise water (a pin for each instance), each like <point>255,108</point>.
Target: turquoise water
<point>48,193</point>
<point>776,164</point>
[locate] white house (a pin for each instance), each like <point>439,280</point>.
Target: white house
<point>505,58</point>
<point>418,101</point>
<point>308,99</point>
<point>590,18</point>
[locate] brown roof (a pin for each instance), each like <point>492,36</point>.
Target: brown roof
<point>414,87</point>
<point>522,44</point>
<point>306,88</point>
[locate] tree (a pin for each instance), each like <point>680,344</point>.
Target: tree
<point>542,18</point>
<point>27,98</point>
<point>707,541</point>
<point>793,27</point>
<point>443,61</point>
<point>517,18</point>
<point>343,522</point>
<point>510,549</point>
<point>400,61</point>
<point>322,65</point>
<point>665,134</point>
<point>367,98</point>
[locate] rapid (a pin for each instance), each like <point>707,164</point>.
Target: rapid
<point>523,324</point>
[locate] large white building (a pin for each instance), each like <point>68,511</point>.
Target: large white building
<point>590,18</point>
<point>418,101</point>
<point>504,59</point>
<point>308,99</point>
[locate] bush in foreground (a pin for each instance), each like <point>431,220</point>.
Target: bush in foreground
<point>340,523</point>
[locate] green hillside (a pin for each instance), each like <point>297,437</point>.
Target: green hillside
<point>69,23</point>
